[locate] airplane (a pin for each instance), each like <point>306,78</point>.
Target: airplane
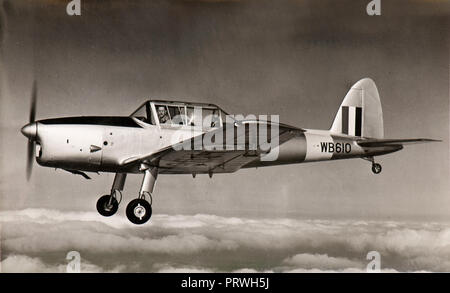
<point>168,137</point>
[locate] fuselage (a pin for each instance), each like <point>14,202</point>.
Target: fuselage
<point>102,144</point>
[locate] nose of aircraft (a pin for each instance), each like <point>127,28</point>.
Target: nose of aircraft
<point>30,130</point>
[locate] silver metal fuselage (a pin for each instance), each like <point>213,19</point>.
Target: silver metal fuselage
<point>102,144</point>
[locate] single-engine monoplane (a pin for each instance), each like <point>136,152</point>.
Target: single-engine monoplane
<point>170,137</point>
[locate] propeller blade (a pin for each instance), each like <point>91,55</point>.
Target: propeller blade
<point>30,158</point>
<point>31,146</point>
<point>33,102</point>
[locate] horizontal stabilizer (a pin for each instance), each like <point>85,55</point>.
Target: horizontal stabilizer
<point>386,142</point>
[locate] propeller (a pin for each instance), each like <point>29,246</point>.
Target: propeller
<point>33,102</point>
<point>31,140</point>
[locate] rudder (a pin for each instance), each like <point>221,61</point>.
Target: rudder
<point>360,113</point>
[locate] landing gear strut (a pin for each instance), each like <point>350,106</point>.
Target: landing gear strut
<point>139,210</point>
<point>376,168</point>
<point>107,205</point>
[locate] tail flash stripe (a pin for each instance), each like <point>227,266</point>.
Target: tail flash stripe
<point>351,120</point>
<point>358,121</point>
<point>345,119</point>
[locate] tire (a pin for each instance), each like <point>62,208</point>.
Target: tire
<point>103,208</point>
<point>139,211</point>
<point>376,168</point>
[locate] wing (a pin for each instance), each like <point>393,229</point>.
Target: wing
<point>388,142</point>
<point>229,155</point>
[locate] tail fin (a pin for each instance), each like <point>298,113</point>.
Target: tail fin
<point>360,113</point>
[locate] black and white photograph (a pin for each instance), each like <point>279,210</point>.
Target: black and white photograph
<point>224,136</point>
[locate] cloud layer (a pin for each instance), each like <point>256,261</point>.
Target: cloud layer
<point>38,240</point>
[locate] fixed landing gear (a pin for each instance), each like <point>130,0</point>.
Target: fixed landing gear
<point>108,205</point>
<point>139,210</point>
<point>376,168</point>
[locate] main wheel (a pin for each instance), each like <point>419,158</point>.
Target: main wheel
<point>376,168</point>
<point>107,205</point>
<point>139,211</point>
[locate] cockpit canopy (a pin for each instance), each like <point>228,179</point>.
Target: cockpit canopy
<point>180,114</point>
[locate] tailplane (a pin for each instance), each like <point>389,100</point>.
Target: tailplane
<point>393,142</point>
<point>360,113</point>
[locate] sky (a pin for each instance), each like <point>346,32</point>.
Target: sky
<point>296,59</point>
